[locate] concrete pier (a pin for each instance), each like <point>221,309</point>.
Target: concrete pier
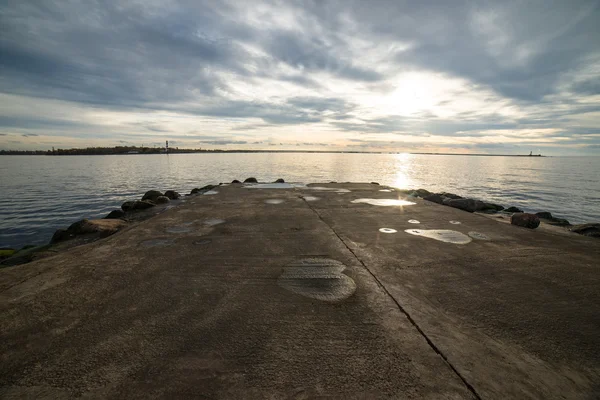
<point>291,292</point>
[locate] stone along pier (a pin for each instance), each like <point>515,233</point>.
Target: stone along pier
<point>291,291</point>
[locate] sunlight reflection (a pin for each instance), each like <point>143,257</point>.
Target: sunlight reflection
<point>402,180</point>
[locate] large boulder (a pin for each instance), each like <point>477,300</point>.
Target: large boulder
<point>172,195</point>
<point>251,180</point>
<point>436,198</point>
<point>469,205</point>
<point>280,180</point>
<point>115,214</point>
<point>103,227</point>
<point>490,208</point>
<point>152,195</point>
<point>422,193</point>
<point>592,230</point>
<point>235,181</point>
<point>202,189</point>
<point>548,218</point>
<point>162,200</point>
<point>525,220</point>
<point>451,195</point>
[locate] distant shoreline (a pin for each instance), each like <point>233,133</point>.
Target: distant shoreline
<point>146,151</point>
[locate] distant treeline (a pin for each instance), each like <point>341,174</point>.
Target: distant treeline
<point>101,151</point>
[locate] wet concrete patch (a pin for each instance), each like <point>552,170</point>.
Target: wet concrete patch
<point>271,186</point>
<point>317,278</point>
<point>213,221</point>
<point>384,202</point>
<point>157,242</point>
<point>210,192</point>
<point>202,242</point>
<point>274,201</point>
<point>443,235</point>
<point>478,236</point>
<point>179,229</point>
<point>413,221</point>
<point>455,222</point>
<point>387,230</point>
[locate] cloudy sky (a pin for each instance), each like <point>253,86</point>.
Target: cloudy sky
<point>391,75</point>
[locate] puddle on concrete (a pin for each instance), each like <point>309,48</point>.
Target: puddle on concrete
<point>317,278</point>
<point>385,190</point>
<point>455,222</point>
<point>327,189</point>
<point>413,221</point>
<point>157,242</point>
<point>387,230</point>
<point>478,236</point>
<point>203,242</point>
<point>443,235</point>
<point>274,201</point>
<point>179,229</point>
<point>213,221</point>
<point>384,202</point>
<point>310,198</point>
<point>210,192</point>
<point>271,186</point>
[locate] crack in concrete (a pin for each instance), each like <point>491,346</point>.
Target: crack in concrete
<point>402,309</point>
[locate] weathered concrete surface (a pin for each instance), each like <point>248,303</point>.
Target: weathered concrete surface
<point>191,304</point>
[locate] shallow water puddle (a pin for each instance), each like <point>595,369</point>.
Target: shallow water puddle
<point>384,202</point>
<point>213,221</point>
<point>270,186</point>
<point>387,230</point>
<point>210,192</point>
<point>317,278</point>
<point>310,198</point>
<point>274,201</point>
<point>327,189</point>
<point>157,242</point>
<point>443,235</point>
<point>478,236</point>
<point>385,190</point>
<point>455,222</point>
<point>413,221</point>
<point>203,242</point>
<point>179,229</point>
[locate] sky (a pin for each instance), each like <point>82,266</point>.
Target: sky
<point>501,77</point>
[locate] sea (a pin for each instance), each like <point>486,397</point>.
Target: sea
<point>43,193</point>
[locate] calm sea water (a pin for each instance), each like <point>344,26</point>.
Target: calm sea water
<point>43,193</point>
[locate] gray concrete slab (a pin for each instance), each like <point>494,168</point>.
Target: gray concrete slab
<point>213,299</point>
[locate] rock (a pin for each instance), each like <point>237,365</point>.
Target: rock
<point>490,208</point>
<point>513,210</point>
<point>436,198</point>
<point>469,205</point>
<point>142,204</point>
<point>127,206</point>
<point>6,252</point>
<point>423,193</point>
<point>202,189</point>
<point>162,200</point>
<point>104,227</point>
<point>251,180</point>
<point>172,195</point>
<point>592,230</point>
<point>280,180</point>
<point>115,214</point>
<point>375,183</point>
<point>525,220</point>
<point>235,181</point>
<point>451,195</point>
<point>544,215</point>
<point>550,219</point>
<point>151,195</point>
